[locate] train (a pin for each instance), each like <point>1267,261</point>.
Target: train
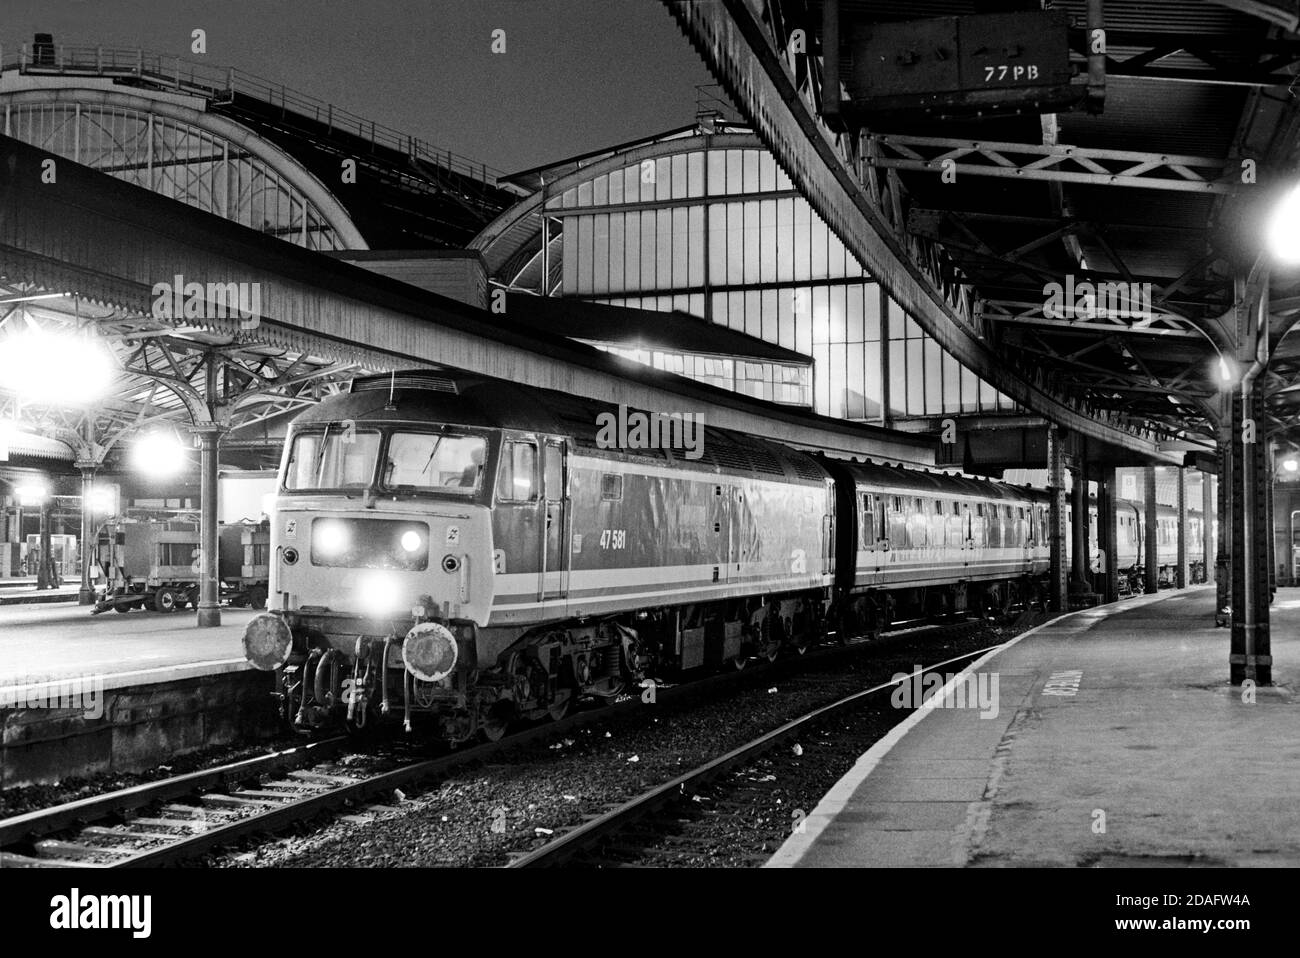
<point>154,564</point>
<point>469,553</point>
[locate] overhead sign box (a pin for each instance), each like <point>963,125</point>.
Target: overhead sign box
<point>963,66</point>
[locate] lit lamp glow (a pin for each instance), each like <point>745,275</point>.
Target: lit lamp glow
<point>331,538</point>
<point>32,494</point>
<point>1290,465</point>
<point>1284,228</point>
<point>380,595</point>
<point>102,500</point>
<point>159,453</point>
<point>55,368</point>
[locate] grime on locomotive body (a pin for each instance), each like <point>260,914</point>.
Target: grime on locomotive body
<point>460,548</point>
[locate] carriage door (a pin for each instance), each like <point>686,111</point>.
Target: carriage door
<point>555,558</point>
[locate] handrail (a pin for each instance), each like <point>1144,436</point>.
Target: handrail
<point>218,83</point>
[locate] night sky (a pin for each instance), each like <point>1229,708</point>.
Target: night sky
<point>577,75</point>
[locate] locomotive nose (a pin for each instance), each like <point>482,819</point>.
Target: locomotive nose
<point>267,642</point>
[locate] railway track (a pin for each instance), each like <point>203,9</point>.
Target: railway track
<point>637,831</point>
<point>182,817</point>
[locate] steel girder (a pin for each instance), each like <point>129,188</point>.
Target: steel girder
<point>745,45</point>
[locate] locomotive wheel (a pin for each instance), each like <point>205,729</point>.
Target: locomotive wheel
<point>560,707</point>
<point>164,600</point>
<point>497,721</point>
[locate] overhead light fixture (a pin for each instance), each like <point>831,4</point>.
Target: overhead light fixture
<point>56,368</point>
<point>1290,465</point>
<point>1284,228</point>
<point>32,494</point>
<point>160,453</point>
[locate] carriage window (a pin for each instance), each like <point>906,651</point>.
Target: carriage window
<point>332,459</point>
<point>938,508</point>
<point>611,487</point>
<point>517,478</point>
<point>898,503</point>
<point>427,461</point>
<point>956,508</point>
<point>979,509</point>
<point>919,507</point>
<point>553,465</point>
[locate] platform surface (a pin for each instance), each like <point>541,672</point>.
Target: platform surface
<point>1153,760</point>
<point>41,643</point>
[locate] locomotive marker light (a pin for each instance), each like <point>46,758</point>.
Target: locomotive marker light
<point>1284,229</point>
<point>430,652</point>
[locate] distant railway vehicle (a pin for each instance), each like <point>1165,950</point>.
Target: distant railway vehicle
<point>462,548</point>
<point>155,564</point>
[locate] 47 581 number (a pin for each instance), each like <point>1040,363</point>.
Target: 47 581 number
<point>613,539</point>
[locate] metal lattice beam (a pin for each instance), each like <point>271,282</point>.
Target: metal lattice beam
<point>1052,163</point>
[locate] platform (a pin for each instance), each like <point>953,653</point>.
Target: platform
<point>1118,741</point>
<point>40,643</point>
<point>82,694</point>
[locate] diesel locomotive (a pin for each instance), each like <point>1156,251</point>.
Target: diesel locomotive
<point>465,551</point>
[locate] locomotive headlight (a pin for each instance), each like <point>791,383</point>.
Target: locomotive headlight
<point>331,537</point>
<point>379,595</point>
<point>412,541</point>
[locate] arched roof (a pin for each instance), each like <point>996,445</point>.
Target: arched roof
<point>172,145</point>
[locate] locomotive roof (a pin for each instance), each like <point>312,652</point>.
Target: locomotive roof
<point>422,397</point>
<point>467,400</point>
<point>923,482</point>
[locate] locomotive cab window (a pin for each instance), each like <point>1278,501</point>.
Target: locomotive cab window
<point>428,462</point>
<point>333,458</point>
<point>517,478</point>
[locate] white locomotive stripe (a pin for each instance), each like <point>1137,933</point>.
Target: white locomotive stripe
<point>721,590</point>
<point>526,582</point>
<point>687,470</point>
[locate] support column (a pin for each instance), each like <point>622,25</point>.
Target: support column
<point>1181,578</point>
<point>1079,551</point>
<point>1059,597</point>
<point>1270,483</point>
<point>1250,657</point>
<point>1207,526</point>
<point>1150,533</point>
<point>1107,540</point>
<point>86,594</point>
<point>1224,510</point>
<point>43,578</point>
<point>209,582</point>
